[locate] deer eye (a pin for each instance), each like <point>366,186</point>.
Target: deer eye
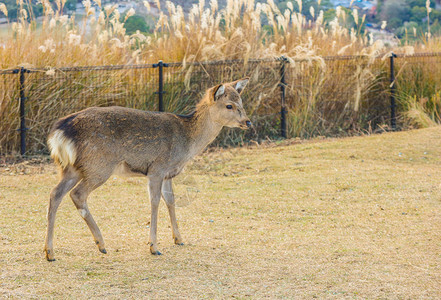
<point>229,106</point>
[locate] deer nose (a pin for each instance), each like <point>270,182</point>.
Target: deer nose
<point>248,124</point>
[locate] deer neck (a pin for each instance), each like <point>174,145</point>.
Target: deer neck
<point>202,130</point>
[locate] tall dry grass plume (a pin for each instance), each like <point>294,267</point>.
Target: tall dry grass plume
<point>205,33</point>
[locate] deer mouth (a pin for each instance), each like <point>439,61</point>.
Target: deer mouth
<point>246,126</point>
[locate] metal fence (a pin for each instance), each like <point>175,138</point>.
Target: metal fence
<point>285,98</point>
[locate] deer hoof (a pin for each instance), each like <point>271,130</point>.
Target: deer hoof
<point>179,242</point>
<point>153,250</point>
<point>49,255</point>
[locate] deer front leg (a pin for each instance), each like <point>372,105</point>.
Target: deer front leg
<point>167,193</point>
<point>155,197</point>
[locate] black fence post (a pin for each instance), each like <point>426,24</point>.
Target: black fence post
<point>393,118</point>
<point>283,61</point>
<point>160,91</point>
<point>22,99</point>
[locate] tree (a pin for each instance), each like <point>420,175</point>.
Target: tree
<point>135,23</point>
<point>395,12</point>
<point>71,4</point>
<point>420,3</point>
<point>435,15</point>
<point>418,13</point>
<point>409,27</point>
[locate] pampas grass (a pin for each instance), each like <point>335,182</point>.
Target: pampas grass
<point>206,33</point>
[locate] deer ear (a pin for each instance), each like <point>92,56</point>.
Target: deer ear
<point>218,91</point>
<point>241,84</point>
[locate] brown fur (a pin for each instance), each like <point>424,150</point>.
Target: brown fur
<point>95,143</point>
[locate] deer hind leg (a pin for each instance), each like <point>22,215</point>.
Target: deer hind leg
<point>167,194</point>
<point>69,178</point>
<point>155,196</point>
<point>79,197</point>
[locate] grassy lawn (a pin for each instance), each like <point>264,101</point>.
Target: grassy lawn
<point>340,218</point>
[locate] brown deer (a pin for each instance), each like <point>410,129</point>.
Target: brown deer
<point>91,145</point>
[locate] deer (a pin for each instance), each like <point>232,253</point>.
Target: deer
<point>90,145</point>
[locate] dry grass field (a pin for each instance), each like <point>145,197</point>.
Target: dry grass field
<point>340,218</point>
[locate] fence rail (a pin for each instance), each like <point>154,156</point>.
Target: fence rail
<point>291,97</point>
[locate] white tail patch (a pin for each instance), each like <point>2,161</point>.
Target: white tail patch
<point>62,149</point>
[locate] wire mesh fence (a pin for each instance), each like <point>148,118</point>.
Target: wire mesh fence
<point>420,72</point>
<point>51,94</point>
<point>9,111</point>
<point>323,96</point>
<point>335,95</point>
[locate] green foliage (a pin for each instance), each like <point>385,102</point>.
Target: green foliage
<point>348,22</point>
<point>12,7</point>
<point>435,28</point>
<point>435,15</point>
<point>409,26</point>
<point>421,3</point>
<point>394,23</point>
<point>418,13</point>
<point>135,23</point>
<point>409,14</point>
<point>70,5</point>
<point>395,9</point>
<point>36,7</point>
